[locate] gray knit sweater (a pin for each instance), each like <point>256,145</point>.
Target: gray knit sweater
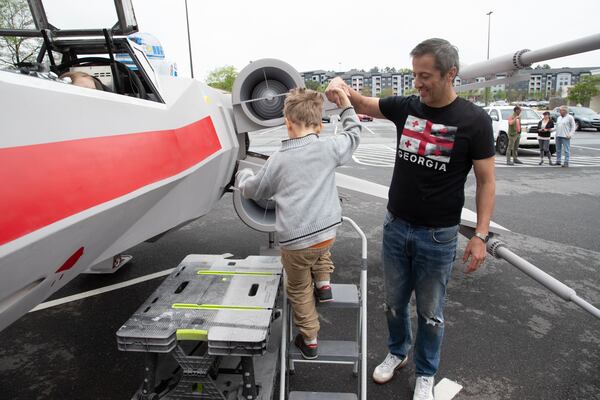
<point>300,178</point>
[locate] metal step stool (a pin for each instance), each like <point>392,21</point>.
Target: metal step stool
<point>336,352</point>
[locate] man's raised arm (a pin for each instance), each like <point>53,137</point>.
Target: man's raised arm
<point>362,104</point>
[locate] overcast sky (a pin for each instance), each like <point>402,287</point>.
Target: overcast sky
<point>340,35</point>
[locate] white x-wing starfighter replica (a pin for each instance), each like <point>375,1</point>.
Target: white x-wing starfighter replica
<point>86,174</point>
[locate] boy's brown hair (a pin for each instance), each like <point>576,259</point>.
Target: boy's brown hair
<point>303,107</point>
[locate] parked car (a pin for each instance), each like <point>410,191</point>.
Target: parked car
<point>529,121</point>
<point>364,117</point>
<point>584,117</point>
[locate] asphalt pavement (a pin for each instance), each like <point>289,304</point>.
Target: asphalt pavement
<point>506,337</point>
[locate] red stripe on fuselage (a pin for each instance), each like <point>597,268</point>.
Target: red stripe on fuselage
<point>44,183</point>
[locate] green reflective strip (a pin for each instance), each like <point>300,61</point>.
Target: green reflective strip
<point>192,334</point>
<point>214,307</point>
<point>204,272</point>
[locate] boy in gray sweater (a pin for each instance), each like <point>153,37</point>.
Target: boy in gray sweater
<point>300,178</point>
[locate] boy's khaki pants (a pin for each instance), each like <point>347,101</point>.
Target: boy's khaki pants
<point>301,267</point>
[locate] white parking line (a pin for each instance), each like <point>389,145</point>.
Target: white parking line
<point>368,153</point>
<point>367,128</point>
<point>375,155</point>
<point>382,150</point>
<point>271,130</point>
<point>574,161</point>
<point>446,389</point>
<point>583,147</point>
<point>110,288</point>
<point>90,293</point>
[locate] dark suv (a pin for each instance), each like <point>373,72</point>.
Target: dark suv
<point>584,117</point>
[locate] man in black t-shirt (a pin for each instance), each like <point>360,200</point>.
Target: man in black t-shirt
<point>439,138</point>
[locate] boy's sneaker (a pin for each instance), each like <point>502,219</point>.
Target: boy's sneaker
<point>385,371</point>
<point>424,388</point>
<point>308,351</point>
<point>324,293</point>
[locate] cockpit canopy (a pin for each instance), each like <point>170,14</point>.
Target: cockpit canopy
<point>77,18</point>
<point>91,37</point>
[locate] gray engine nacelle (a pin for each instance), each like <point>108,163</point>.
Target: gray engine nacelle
<point>259,93</point>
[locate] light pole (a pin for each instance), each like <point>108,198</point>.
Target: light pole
<point>187,21</point>
<point>487,88</point>
<point>489,24</point>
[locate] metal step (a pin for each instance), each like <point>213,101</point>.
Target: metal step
<point>330,351</point>
<point>322,396</point>
<point>344,296</point>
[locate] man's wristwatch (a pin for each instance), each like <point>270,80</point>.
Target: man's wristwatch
<point>483,237</point>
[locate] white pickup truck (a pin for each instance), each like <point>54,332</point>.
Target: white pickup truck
<point>529,121</point>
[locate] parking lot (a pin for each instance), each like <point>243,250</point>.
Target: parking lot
<point>506,336</point>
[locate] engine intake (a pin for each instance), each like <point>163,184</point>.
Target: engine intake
<point>259,93</point>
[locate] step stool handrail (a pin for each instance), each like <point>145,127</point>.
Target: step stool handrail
<point>362,235</point>
<point>363,322</point>
<point>363,299</point>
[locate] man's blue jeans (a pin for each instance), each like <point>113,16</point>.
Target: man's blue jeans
<point>420,259</point>
<point>560,142</point>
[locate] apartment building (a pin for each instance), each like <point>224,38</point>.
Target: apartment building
<point>374,82</point>
<point>541,82</point>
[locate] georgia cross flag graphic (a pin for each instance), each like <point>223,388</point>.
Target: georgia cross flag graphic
<point>427,139</point>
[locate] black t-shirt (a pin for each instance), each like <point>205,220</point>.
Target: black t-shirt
<point>435,149</point>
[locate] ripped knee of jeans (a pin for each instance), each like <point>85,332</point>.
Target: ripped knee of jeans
<point>433,320</point>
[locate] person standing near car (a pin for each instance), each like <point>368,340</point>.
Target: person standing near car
<point>545,127</point>
<point>439,138</point>
<point>514,137</point>
<point>565,129</point>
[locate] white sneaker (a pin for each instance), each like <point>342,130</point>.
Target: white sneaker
<point>385,371</point>
<point>424,388</point>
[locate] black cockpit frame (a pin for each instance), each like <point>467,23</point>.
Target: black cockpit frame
<point>82,47</point>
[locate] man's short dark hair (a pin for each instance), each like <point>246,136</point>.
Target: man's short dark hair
<point>444,54</point>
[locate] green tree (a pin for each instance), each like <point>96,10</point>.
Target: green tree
<point>313,85</point>
<point>366,91</point>
<point>538,95</point>
<point>468,94</point>
<point>374,70</point>
<point>500,95</point>
<point>517,95</point>
<point>222,78</point>
<point>386,92</point>
<point>584,90</point>
<point>15,14</point>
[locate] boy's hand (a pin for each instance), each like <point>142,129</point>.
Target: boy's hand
<point>242,174</point>
<point>332,91</point>
<point>342,99</point>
